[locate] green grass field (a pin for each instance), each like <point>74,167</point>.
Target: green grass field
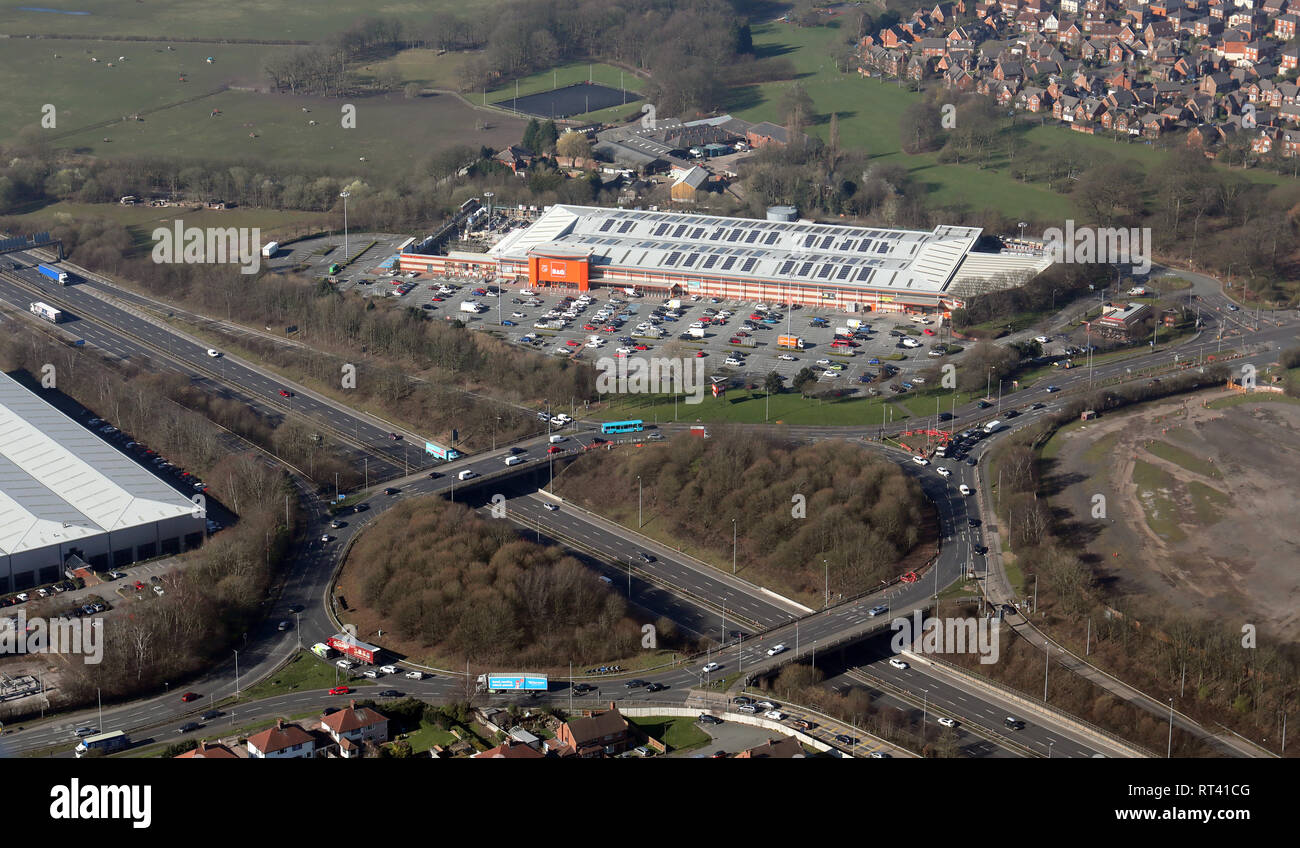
<point>679,733</point>
<point>142,220</point>
<point>1183,458</point>
<point>738,406</point>
<point>1156,490</point>
<point>235,19</point>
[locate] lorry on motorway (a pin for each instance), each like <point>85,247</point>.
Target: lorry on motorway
<point>511,682</point>
<point>349,646</point>
<point>44,310</point>
<point>471,306</point>
<point>53,273</point>
<point>696,332</point>
<point>270,248</point>
<point>789,342</point>
<point>103,743</point>
<point>322,650</point>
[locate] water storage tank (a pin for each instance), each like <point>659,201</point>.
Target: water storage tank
<point>782,213</point>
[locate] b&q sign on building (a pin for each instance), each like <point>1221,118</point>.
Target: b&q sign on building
<point>571,271</point>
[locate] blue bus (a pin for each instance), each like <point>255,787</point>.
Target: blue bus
<point>622,427</point>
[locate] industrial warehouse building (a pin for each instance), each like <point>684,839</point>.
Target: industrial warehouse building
<point>64,492</point>
<point>669,254</point>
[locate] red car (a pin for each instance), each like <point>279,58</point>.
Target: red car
<point>589,326</point>
<point>928,331</point>
<point>436,299</point>
<point>733,340</point>
<point>553,449</point>
<point>340,690</point>
<point>743,334</point>
<point>572,343</point>
<point>190,696</point>
<point>756,317</point>
<point>699,354</point>
<point>609,329</point>
<point>642,347</point>
<point>285,393</point>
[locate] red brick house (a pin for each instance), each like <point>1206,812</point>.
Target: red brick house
<point>598,735</point>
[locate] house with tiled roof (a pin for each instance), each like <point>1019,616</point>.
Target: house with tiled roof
<point>210,751</point>
<point>785,748</point>
<point>510,750</point>
<point>354,726</point>
<point>281,742</point>
<point>600,734</point>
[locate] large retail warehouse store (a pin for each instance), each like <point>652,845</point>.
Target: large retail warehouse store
<point>854,269</point>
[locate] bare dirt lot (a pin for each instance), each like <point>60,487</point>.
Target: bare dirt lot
<point>1200,506</point>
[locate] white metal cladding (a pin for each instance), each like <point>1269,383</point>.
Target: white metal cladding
<point>61,483</point>
<point>748,249</point>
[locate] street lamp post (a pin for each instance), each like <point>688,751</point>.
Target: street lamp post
<point>345,195</point>
<point>639,522</point>
<point>733,546</point>
<point>1169,749</point>
<point>236,674</point>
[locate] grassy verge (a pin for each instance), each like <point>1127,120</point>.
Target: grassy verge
<point>679,733</point>
<point>303,673</point>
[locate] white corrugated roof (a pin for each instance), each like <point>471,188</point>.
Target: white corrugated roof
<point>60,482</point>
<point>746,248</point>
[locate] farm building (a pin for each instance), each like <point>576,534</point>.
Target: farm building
<point>64,491</point>
<point>670,254</point>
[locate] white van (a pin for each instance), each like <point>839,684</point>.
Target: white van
<point>466,475</point>
<point>514,460</point>
<point>993,426</point>
<point>556,439</point>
